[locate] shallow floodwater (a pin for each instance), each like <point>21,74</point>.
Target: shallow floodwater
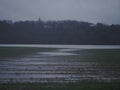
<point>60,65</point>
<point>64,46</point>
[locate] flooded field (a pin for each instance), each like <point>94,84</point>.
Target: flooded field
<point>62,65</point>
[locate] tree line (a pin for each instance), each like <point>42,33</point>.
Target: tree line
<point>58,32</point>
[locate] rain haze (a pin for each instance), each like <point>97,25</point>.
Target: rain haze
<point>104,11</point>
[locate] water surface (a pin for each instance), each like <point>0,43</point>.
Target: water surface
<point>61,65</point>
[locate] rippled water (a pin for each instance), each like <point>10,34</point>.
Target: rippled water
<point>56,66</point>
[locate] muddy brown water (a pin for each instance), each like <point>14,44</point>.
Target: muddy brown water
<point>48,67</point>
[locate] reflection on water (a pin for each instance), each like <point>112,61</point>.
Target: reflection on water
<point>59,52</point>
<point>65,46</point>
<point>61,65</point>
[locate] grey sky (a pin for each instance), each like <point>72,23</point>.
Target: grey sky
<point>105,11</point>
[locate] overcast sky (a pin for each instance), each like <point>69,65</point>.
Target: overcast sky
<point>105,11</point>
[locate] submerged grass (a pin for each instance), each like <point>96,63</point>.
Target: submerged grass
<point>99,55</point>
<point>62,86</point>
<point>6,52</point>
<point>104,57</point>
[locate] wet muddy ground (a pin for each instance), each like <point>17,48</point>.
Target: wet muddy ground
<point>61,65</point>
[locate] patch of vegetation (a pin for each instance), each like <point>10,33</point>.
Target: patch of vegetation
<point>6,52</point>
<point>99,55</point>
<point>62,86</point>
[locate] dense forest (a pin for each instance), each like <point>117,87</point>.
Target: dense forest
<point>58,32</point>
